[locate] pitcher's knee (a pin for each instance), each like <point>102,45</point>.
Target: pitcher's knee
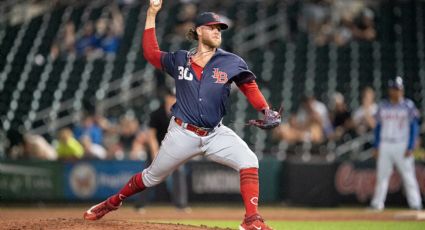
<point>251,161</point>
<point>149,179</point>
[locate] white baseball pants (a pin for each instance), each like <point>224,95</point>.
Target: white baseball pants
<point>391,154</point>
<point>223,145</point>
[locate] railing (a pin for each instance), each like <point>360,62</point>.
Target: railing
<point>50,125</point>
<point>28,66</point>
<point>262,32</point>
<point>355,144</point>
<point>6,9</point>
<point>45,76</point>
<point>124,88</point>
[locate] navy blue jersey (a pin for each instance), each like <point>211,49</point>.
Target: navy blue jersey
<point>203,102</point>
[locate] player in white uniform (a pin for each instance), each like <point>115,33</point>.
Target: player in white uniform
<point>395,135</point>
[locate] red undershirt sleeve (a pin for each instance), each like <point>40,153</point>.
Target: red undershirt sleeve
<point>255,97</point>
<point>151,50</point>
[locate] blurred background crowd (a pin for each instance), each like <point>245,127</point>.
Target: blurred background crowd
<point>313,119</point>
<point>127,138</point>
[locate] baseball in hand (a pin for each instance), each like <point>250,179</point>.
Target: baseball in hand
<point>156,2</point>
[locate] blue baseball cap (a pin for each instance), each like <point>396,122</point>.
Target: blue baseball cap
<point>210,18</point>
<point>396,83</point>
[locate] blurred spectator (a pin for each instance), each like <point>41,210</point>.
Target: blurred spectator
<point>340,116</point>
<point>101,27</point>
<point>187,13</point>
<point>109,32</point>
<point>364,25</point>
<point>87,42</point>
<point>316,19</point>
<point>314,14</point>
<point>314,113</point>
<point>346,9</point>
<point>189,1</point>
<point>64,45</point>
<point>292,132</point>
<point>13,145</point>
<point>99,38</point>
<point>124,2</point>
<point>89,127</point>
<point>111,141</point>
<point>68,40</point>
<point>92,150</point>
<point>293,17</point>
<point>110,43</point>
<point>36,147</point>
<point>26,10</point>
<point>337,21</point>
<point>117,24</point>
<point>359,26</point>
<point>132,140</point>
<point>68,148</point>
<point>54,51</point>
<point>159,121</point>
<point>364,116</point>
<point>184,22</point>
<point>343,31</point>
<point>309,124</point>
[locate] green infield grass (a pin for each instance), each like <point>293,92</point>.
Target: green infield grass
<point>317,225</point>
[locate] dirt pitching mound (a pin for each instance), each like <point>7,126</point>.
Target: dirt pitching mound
<point>74,224</point>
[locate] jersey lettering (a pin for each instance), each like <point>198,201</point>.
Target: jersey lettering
<point>395,120</point>
<point>184,73</point>
<point>220,76</point>
<point>222,69</point>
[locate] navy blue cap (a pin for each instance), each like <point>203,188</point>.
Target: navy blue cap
<point>210,18</point>
<point>396,83</point>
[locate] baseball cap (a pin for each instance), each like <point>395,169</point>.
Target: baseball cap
<point>396,83</point>
<point>210,18</point>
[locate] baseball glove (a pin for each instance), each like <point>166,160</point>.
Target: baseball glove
<point>271,119</point>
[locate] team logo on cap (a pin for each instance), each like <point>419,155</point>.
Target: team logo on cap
<point>216,17</point>
<point>219,76</point>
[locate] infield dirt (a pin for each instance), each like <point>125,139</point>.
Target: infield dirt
<point>70,217</point>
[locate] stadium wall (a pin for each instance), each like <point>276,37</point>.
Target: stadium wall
<point>295,182</point>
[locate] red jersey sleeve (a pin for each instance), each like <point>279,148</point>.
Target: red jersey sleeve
<point>151,50</point>
<point>255,97</point>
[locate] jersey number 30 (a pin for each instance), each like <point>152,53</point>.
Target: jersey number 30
<point>184,74</point>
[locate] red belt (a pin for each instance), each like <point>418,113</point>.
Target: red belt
<point>197,130</point>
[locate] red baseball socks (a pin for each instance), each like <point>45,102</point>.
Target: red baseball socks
<point>133,186</point>
<point>249,190</point>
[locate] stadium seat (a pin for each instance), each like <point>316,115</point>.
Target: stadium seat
<point>375,59</point>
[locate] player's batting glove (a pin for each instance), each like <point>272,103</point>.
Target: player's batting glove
<point>271,120</point>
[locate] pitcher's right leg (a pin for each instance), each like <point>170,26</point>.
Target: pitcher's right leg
<point>177,147</point>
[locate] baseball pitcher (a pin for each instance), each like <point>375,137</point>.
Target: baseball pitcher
<point>395,135</point>
<point>203,78</point>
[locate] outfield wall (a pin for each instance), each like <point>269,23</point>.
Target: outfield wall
<point>297,183</point>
